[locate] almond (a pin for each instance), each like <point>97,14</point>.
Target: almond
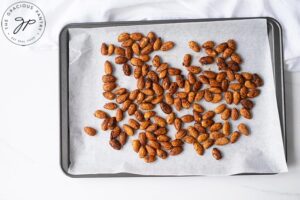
<point>128,130</point>
<point>197,107</point>
<point>216,127</point>
<point>232,44</point>
<point>136,145</point>
<point>133,124</point>
<point>127,43</point>
<point>122,98</point>
<point>202,137</point>
<point>146,106</point>
<point>108,69</point>
<point>136,36</point>
<point>136,61</point>
<point>150,136</point>
<point>107,87</point>
<point>222,141</point>
<point>228,97</point>
<point>206,60</point>
<point>187,60</point>
<point>235,114</point>
<point>226,114</point>
<point>115,144</point>
<point>208,143</point>
<point>166,46</point>
<point>236,58</point>
<point>189,139</point>
<point>157,44</point>
<point>100,114</point>
<point>216,154</point>
<point>161,153</point>
<point>126,105</point>
<point>110,106</point>
<point>142,138</point>
<point>166,145</point>
<point>160,121</point>
<point>154,144</point>
<point>208,44</point>
<point>131,109</point>
<point>226,128</point>
<point>246,113</point>
<point>171,118</point>
<point>221,47</point>
<point>176,143</point>
<point>194,69</point>
<point>194,46</point>
<point>180,134</point>
<point>165,108</point>
<point>123,36</point>
<point>120,60</point>
<point>208,115</point>
<point>163,138</point>
<point>243,129</point>
<point>248,104</point>
<point>119,115</point>
<point>176,150</point>
<point>90,131</point>
<point>142,152</point>
<point>198,148</point>
<point>187,118</point>
<point>151,151</point>
<point>211,52</point>
<point>104,49</point>
<point>219,109</point>
<point>127,69</point>
<point>234,136</point>
<point>119,51</point>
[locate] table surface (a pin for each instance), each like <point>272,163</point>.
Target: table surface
<point>29,145</point>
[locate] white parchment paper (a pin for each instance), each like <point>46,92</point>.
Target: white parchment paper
<point>261,152</point>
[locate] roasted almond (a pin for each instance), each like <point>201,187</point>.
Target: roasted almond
<point>136,145</point>
<point>110,106</point>
<point>187,60</point>
<point>216,154</point>
<point>176,150</point>
<point>90,131</point>
<point>234,136</point>
<point>187,118</point>
<point>194,46</point>
<point>226,114</point>
<point>243,129</point>
<point>198,148</point>
<point>108,69</point>
<point>120,60</point>
<point>226,128</point>
<point>202,137</point>
<point>128,130</point>
<point>222,141</point>
<point>208,44</point>
<point>246,113</point>
<point>104,49</point>
<point>100,114</point>
<point>206,60</point>
<point>166,46</point>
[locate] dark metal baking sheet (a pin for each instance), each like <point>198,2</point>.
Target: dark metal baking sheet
<point>275,39</point>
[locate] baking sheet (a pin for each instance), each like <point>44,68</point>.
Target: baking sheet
<point>262,152</point>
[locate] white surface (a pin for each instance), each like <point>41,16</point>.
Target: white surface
<point>261,152</point>
<point>59,13</point>
<point>29,118</point>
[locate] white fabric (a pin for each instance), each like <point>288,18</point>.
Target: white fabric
<point>60,13</point>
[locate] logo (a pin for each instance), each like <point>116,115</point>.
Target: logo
<point>23,23</point>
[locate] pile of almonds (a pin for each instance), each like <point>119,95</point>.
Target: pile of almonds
<point>165,86</point>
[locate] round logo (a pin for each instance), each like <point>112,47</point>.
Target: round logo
<point>23,23</point>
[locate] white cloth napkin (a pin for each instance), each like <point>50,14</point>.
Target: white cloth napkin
<point>60,13</point>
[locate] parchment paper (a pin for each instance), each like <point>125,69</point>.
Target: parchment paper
<point>261,152</point>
